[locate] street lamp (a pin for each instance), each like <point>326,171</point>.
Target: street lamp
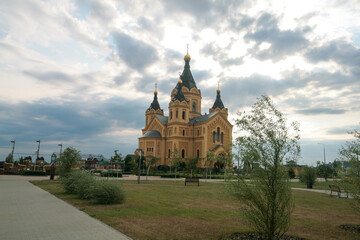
<point>324,161</point>
<point>60,145</point>
<point>139,166</point>
<point>12,152</point>
<point>37,153</point>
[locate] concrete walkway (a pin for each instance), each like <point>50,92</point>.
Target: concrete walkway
<point>28,212</point>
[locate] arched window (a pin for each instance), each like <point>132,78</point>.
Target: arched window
<point>217,134</point>
<point>171,115</point>
<point>213,137</point>
<point>183,153</point>
<point>198,132</point>
<point>183,115</point>
<point>169,132</point>
<point>169,153</point>
<point>198,153</point>
<point>177,114</point>
<point>194,107</point>
<point>183,132</point>
<point>222,138</point>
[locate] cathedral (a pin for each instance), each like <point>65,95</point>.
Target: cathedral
<point>185,129</point>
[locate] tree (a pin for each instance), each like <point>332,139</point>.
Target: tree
<point>210,159</point>
<point>350,153</point>
<point>117,159</point>
<point>308,175</point>
<point>128,163</point>
<point>69,157</point>
<point>175,160</point>
<point>270,142</point>
<point>9,158</point>
<point>192,165</point>
<point>152,161</point>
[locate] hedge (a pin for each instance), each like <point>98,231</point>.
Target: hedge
<point>110,174</point>
<point>32,173</point>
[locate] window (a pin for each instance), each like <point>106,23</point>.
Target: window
<point>222,138</point>
<point>183,132</point>
<point>183,153</point>
<point>176,114</point>
<point>183,115</point>
<point>213,137</point>
<point>170,115</point>
<point>169,132</point>
<point>198,153</point>
<point>169,153</point>
<point>217,134</point>
<point>198,132</point>
<point>194,107</point>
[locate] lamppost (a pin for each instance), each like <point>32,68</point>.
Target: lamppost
<point>60,145</point>
<point>325,172</point>
<point>37,153</point>
<point>139,166</point>
<point>12,152</point>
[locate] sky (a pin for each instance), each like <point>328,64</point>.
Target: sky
<point>82,73</point>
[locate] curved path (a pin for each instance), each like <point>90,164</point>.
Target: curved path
<point>28,212</point>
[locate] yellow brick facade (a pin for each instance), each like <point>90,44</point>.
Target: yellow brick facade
<point>185,128</point>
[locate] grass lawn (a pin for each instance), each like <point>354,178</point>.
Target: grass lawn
<point>168,210</point>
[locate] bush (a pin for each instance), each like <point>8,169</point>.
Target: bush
<point>83,184</point>
<point>32,173</point>
<point>107,192</point>
<point>110,174</point>
<point>163,168</point>
<point>291,173</point>
<point>308,175</point>
<point>69,181</point>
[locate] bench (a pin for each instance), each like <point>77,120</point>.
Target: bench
<point>192,180</point>
<point>337,190</point>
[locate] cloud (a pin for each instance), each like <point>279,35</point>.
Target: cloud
<point>339,51</point>
<point>282,42</point>
<point>343,130</point>
<point>136,54</point>
<point>49,76</point>
<point>317,111</point>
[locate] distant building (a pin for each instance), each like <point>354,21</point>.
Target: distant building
<point>185,129</point>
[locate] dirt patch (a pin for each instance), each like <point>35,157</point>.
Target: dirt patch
<point>351,228</point>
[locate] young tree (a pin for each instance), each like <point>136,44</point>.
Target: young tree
<point>151,162</point>
<point>69,158</point>
<point>9,158</point>
<point>351,152</point>
<point>176,160</point>
<point>210,159</point>
<point>192,165</point>
<point>269,142</point>
<point>117,159</point>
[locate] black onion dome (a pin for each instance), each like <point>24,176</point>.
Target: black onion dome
<point>155,104</point>
<point>186,76</point>
<point>218,103</point>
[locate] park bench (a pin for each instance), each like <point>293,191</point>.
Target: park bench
<point>192,180</point>
<point>337,190</point>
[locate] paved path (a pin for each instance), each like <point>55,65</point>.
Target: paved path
<point>28,212</point>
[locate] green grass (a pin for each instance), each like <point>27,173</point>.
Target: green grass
<point>169,210</point>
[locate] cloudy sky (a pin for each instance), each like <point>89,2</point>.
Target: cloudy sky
<point>82,73</point>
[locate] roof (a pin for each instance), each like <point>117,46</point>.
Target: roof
<point>163,119</point>
<point>155,104</point>
<point>186,76</point>
<point>216,147</point>
<point>152,134</point>
<point>202,118</point>
<point>179,95</point>
<point>218,103</point>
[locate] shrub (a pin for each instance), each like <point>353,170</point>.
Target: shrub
<point>83,184</point>
<point>107,192</point>
<point>69,181</point>
<point>32,173</point>
<point>291,173</point>
<point>163,168</point>
<point>308,176</point>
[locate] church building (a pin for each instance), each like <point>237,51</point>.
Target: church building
<point>185,129</point>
